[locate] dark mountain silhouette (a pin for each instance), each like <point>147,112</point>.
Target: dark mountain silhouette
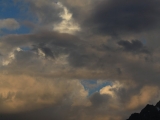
<point>150,112</point>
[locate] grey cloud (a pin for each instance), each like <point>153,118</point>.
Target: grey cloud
<point>116,17</point>
<point>81,54</point>
<point>47,38</point>
<point>67,112</point>
<point>133,46</point>
<point>9,23</point>
<point>111,64</point>
<point>98,99</point>
<point>47,51</point>
<point>88,57</point>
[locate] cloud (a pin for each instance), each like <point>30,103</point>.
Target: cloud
<point>67,25</point>
<point>10,57</point>
<point>146,94</point>
<point>133,46</point>
<point>86,57</point>
<point>22,92</point>
<point>109,90</point>
<point>9,23</point>
<point>121,17</point>
<point>46,11</point>
<point>41,72</point>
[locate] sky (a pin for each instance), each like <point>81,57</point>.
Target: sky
<point>78,59</point>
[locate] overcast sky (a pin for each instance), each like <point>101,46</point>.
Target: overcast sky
<point>78,59</point>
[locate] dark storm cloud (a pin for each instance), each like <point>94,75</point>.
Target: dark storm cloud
<point>133,46</point>
<point>47,113</point>
<point>81,54</point>
<point>43,40</point>
<point>115,17</point>
<point>98,99</point>
<point>47,51</point>
<point>66,111</point>
<point>112,63</point>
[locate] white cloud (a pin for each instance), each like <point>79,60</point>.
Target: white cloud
<point>68,25</point>
<point>41,53</point>
<point>11,56</point>
<point>9,23</point>
<point>110,90</point>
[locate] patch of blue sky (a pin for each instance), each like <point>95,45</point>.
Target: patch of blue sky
<point>18,11</point>
<point>22,30</point>
<point>10,9</point>
<point>26,48</point>
<point>93,86</point>
<point>144,41</point>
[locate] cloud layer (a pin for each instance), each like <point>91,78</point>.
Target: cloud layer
<point>70,41</point>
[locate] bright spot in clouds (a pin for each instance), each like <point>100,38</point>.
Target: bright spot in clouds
<point>110,90</point>
<point>10,57</point>
<point>67,25</point>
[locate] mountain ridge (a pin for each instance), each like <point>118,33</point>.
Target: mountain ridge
<point>150,112</point>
